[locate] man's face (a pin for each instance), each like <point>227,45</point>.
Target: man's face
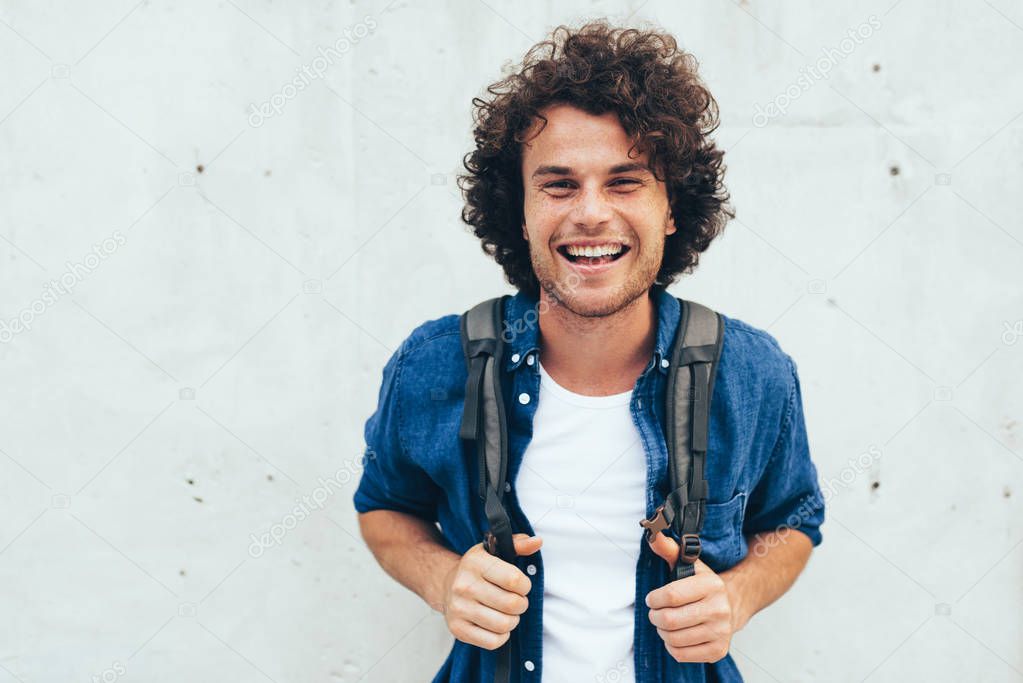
<point>595,219</point>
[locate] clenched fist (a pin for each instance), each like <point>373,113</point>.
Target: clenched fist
<point>484,595</point>
<point>693,616</point>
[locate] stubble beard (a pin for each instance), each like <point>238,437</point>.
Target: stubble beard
<point>565,292</point>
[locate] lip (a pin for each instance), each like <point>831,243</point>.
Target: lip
<point>586,269</point>
<point>590,243</point>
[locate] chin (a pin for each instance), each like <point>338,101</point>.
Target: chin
<point>596,301</point>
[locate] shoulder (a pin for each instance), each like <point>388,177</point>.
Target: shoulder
<point>433,349</point>
<point>438,332</point>
<point>757,354</point>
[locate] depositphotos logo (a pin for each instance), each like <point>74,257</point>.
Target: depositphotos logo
<point>74,273</point>
<point>307,73</point>
<point>306,505</point>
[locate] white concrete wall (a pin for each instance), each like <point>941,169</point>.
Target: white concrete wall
<point>223,350</point>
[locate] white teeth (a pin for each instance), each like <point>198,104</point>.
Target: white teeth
<point>600,250</point>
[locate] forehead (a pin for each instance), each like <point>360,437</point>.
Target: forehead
<point>578,139</point>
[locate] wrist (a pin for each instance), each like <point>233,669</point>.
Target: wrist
<point>435,593</point>
<point>736,587</point>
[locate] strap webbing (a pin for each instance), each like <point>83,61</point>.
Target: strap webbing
<point>484,428</point>
<point>687,422</point>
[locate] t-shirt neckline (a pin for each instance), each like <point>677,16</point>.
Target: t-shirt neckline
<point>612,401</point>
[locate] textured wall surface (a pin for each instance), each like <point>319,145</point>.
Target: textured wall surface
<point>218,219</point>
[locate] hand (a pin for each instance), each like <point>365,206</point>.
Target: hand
<point>484,595</point>
<point>693,616</point>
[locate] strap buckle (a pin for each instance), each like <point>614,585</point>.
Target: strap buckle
<point>657,523</point>
<point>689,548</point>
<point>490,542</point>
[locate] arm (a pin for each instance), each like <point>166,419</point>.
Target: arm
<point>783,517</point>
<point>411,550</point>
<point>480,595</point>
<point>774,561</point>
<point>696,617</point>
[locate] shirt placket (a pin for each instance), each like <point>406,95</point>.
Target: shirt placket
<point>647,655</point>
<point>529,634</point>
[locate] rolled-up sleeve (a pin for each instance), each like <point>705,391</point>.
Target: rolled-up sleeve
<point>391,480</point>
<point>788,495</point>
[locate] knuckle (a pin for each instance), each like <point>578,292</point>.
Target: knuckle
<point>514,604</point>
<point>495,640</point>
<point>461,584</point>
<point>510,623</point>
<point>457,628</point>
<point>455,610</point>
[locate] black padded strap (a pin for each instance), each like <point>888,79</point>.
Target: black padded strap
<point>690,388</point>
<point>484,427</point>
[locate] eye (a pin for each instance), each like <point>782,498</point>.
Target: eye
<point>629,184</point>
<point>559,188</point>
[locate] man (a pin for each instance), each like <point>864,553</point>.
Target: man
<point>594,183</point>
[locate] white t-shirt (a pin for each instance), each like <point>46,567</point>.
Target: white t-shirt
<point>582,485</point>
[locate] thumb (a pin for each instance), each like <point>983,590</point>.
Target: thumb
<point>666,548</point>
<point>526,544</point>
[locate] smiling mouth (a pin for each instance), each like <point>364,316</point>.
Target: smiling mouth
<point>579,256</point>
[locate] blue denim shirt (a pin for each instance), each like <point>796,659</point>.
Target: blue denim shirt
<point>758,467</point>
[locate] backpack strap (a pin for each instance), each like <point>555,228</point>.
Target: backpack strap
<point>484,428</point>
<point>690,387</point>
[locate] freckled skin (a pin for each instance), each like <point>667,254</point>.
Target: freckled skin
<point>591,203</point>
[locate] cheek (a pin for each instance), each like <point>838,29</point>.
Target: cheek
<point>543,216</point>
<point>547,209</point>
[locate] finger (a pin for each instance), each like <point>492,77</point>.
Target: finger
<point>490,619</point>
<point>504,575</point>
<point>675,618</point>
<point>675,594</point>
<point>707,652</point>
<point>499,599</point>
<point>688,637</point>
<point>470,633</point>
<point>526,544</point>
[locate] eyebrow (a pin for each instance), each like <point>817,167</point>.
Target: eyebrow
<point>566,170</point>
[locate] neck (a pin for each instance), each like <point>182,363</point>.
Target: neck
<point>597,356</point>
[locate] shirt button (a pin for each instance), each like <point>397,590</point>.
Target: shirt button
<point>530,359</point>
<point>523,398</point>
<point>507,487</point>
<point>531,569</point>
<point>515,358</point>
<point>529,665</point>
<point>665,362</point>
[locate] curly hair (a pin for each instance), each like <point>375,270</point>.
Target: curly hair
<point>663,106</point>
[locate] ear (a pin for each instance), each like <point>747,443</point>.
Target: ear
<point>669,218</point>
<point>669,223</point>
<point>525,235</point>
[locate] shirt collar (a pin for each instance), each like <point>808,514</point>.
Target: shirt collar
<point>521,329</point>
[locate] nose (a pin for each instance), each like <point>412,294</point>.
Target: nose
<point>591,209</point>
